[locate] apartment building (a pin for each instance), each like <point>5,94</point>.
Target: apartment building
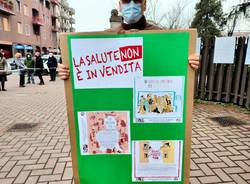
<point>29,25</point>
<point>66,17</point>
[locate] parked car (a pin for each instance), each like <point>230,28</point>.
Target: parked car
<point>45,62</point>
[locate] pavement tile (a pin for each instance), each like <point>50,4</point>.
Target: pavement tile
<point>219,154</point>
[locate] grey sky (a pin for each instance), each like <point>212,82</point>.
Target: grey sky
<point>93,15</point>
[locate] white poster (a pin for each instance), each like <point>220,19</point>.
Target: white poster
<point>224,50</point>
<point>157,160</point>
<point>247,61</point>
<point>106,62</point>
<point>198,45</point>
<point>104,132</point>
<point>159,99</point>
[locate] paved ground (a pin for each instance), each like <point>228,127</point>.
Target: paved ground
<point>219,154</point>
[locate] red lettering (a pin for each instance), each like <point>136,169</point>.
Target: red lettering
<point>137,66</point>
<point>116,55</point>
<point>79,78</point>
<point>87,58</point>
<point>88,72</point>
<point>108,71</point>
<point>82,62</point>
<point>110,55</point>
<point>130,53</point>
<point>102,71</point>
<point>74,61</point>
<point>131,66</point>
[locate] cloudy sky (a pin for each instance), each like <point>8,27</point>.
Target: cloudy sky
<point>93,15</point>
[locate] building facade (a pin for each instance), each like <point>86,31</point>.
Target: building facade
<point>66,19</point>
<point>29,25</point>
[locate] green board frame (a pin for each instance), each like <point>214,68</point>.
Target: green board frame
<point>172,49</point>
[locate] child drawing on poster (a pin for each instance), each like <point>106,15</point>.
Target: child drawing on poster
<point>165,153</point>
<point>104,132</point>
<point>153,103</point>
<point>157,160</point>
<point>159,99</point>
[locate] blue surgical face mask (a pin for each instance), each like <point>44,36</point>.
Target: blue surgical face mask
<point>131,12</point>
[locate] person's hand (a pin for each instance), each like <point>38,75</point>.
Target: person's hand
<point>194,61</point>
<point>63,72</point>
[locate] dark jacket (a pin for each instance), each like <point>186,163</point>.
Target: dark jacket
<point>52,63</point>
<point>39,64</point>
<point>147,27</point>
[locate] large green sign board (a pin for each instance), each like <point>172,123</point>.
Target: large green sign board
<point>129,104</point>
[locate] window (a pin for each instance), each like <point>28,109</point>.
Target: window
<point>6,25</point>
<point>19,28</point>
<point>26,10</point>
<point>18,6</point>
<point>36,30</point>
<point>27,29</point>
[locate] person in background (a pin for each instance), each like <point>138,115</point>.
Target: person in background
<point>52,64</point>
<point>3,73</point>
<point>134,19</point>
<point>21,69</point>
<point>30,64</point>
<point>39,67</point>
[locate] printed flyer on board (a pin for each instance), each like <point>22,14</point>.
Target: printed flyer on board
<point>106,62</point>
<point>159,99</point>
<point>104,132</point>
<point>157,160</point>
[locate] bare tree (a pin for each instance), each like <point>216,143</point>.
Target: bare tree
<point>236,12</point>
<point>173,18</point>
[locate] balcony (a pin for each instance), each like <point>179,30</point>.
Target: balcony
<point>64,26</point>
<point>6,7</point>
<point>64,15</point>
<point>55,14</point>
<point>72,29</point>
<point>55,29</point>
<point>55,2</point>
<point>72,20</point>
<point>72,11</point>
<point>65,4</point>
<point>37,20</point>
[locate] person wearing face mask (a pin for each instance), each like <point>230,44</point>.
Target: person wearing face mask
<point>39,67</point>
<point>30,64</point>
<point>133,19</point>
<point>52,64</point>
<point>3,74</point>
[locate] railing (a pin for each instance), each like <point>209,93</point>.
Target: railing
<point>72,20</point>
<point>72,29</point>
<point>229,83</point>
<point>72,11</point>
<point>6,7</point>
<point>37,20</point>
<point>55,2</point>
<point>55,29</point>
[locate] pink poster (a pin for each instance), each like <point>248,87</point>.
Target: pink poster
<point>104,132</point>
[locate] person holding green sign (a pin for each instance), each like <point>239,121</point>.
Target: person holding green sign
<point>133,19</point>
